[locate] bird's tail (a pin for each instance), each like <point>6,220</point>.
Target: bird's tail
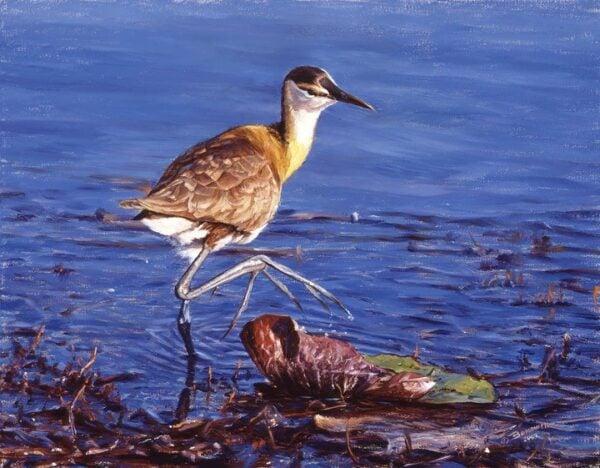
<point>131,204</point>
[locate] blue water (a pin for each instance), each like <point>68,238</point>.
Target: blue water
<point>484,139</point>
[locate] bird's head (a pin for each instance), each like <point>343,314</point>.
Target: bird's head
<point>313,89</point>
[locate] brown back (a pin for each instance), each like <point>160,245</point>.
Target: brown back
<point>230,179</point>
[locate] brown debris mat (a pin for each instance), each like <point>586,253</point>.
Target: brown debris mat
<point>72,414</point>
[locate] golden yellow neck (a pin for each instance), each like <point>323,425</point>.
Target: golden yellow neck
<point>299,132</point>
<point>296,153</point>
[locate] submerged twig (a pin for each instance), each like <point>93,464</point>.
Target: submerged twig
<point>208,383</point>
<point>269,431</point>
<point>408,442</point>
<point>349,447</point>
<point>566,348</point>
<point>232,395</point>
<point>90,363</point>
<point>81,391</point>
<point>549,365</point>
<point>71,408</point>
<point>36,340</point>
<point>596,295</point>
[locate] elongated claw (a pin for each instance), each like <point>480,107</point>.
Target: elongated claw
<point>307,283</point>
<point>284,289</point>
<point>313,288</point>
<point>331,297</point>
<point>318,297</point>
<point>243,305</point>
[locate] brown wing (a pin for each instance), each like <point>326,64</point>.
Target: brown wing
<point>225,180</point>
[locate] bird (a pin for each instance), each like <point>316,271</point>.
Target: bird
<point>226,190</point>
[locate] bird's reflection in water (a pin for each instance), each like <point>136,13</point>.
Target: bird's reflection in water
<point>188,392</point>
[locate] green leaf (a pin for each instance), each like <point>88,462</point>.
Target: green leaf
<point>449,388</point>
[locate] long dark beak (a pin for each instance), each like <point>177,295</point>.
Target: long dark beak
<point>340,95</point>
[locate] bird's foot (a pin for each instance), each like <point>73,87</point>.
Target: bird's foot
<point>261,264</point>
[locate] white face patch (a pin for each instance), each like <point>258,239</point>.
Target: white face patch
<point>301,100</point>
<point>305,112</point>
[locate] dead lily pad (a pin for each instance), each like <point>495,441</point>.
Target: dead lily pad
<point>449,388</point>
<point>301,364</point>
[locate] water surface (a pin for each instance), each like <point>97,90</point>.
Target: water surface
<point>484,141</point>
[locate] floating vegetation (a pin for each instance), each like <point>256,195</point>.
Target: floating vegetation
<point>554,297</point>
<point>73,414</point>
<point>301,364</point>
<point>450,387</point>
<point>506,279</point>
<point>543,246</point>
<point>62,270</point>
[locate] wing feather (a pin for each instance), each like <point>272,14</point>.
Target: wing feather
<point>226,180</point>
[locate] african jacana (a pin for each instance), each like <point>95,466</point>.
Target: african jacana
<point>226,190</point>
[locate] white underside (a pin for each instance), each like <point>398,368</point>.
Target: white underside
<point>168,226</point>
<point>189,236</point>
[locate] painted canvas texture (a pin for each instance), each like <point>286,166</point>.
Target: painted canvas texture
<point>390,210</point>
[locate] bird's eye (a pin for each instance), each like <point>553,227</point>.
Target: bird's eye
<point>308,93</point>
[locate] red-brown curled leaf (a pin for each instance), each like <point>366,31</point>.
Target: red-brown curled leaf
<point>310,365</point>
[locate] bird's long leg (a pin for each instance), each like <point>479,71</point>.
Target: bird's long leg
<point>252,265</point>
<point>184,321</point>
<point>184,325</point>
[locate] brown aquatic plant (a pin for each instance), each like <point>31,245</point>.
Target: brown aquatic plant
<point>596,294</point>
<point>367,432</point>
<point>310,365</point>
<point>543,246</point>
